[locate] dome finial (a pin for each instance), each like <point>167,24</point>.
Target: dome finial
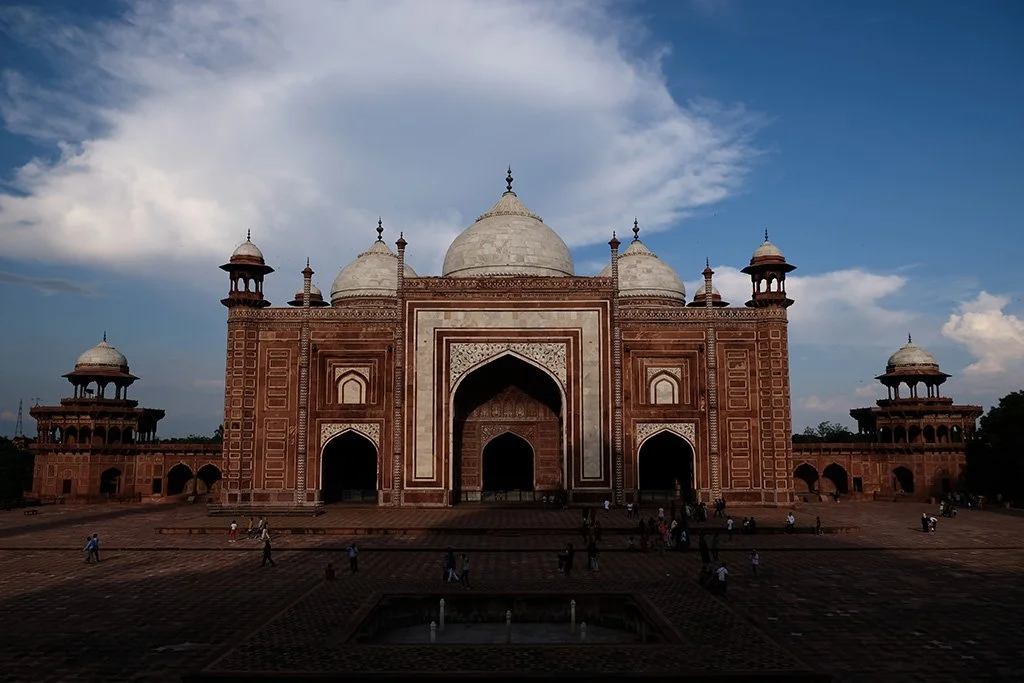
<point>910,340</point>
<point>636,230</point>
<point>766,234</point>
<point>307,262</point>
<point>104,336</point>
<point>707,261</point>
<point>508,180</point>
<point>380,229</point>
<point>248,235</point>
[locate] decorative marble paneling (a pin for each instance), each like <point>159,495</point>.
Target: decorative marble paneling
<point>587,322</point>
<point>464,356</point>
<point>371,430</point>
<point>687,430</point>
<point>657,370</point>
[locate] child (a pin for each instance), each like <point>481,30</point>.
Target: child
<point>755,561</point>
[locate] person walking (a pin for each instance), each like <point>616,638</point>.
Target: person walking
<point>729,524</point>
<point>233,532</point>
<point>755,561</point>
<point>267,550</point>
<point>464,575</point>
<point>353,558</point>
<point>91,550</point>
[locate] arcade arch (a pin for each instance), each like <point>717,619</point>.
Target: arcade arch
<point>348,469</point>
<point>179,479</point>
<point>509,406</point>
<point>665,468</point>
<point>808,475</point>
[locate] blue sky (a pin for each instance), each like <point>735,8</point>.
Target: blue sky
<point>878,142</point>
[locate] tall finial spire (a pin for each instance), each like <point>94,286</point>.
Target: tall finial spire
<point>104,336</point>
<point>380,230</point>
<point>766,234</point>
<point>910,340</point>
<point>636,230</point>
<point>707,261</point>
<point>248,235</point>
<point>508,180</point>
<point>307,262</point>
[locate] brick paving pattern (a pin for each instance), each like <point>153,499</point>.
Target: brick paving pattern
<point>884,603</point>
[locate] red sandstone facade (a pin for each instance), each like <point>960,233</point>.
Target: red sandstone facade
<point>911,445</point>
<point>606,387</point>
<point>98,445</point>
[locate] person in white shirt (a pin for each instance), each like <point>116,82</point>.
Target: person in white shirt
<point>607,505</point>
<point>721,574</point>
<point>755,561</point>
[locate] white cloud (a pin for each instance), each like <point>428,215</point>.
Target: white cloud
<point>842,307</point>
<point>188,123</point>
<point>8,416</point>
<point>994,337</point>
<point>819,404</point>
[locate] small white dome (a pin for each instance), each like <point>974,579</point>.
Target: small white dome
<point>767,251</point>
<point>372,273</point>
<point>314,291</point>
<point>911,356</point>
<point>699,294</point>
<point>247,250</point>
<point>102,356</point>
<point>643,274</point>
<point>508,240</point>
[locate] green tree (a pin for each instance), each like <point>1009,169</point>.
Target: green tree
<point>825,432</point>
<point>995,459</point>
<point>216,437</point>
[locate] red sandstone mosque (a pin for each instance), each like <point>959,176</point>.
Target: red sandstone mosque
<point>506,378</point>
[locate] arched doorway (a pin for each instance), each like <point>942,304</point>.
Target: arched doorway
<point>903,480</point>
<point>808,475</point>
<point>348,469</point>
<point>665,468</point>
<point>110,482</point>
<point>207,478</point>
<point>179,479</point>
<point>508,467</point>
<point>507,407</point>
<point>837,476</point>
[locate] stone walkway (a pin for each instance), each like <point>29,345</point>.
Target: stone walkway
<point>886,603</point>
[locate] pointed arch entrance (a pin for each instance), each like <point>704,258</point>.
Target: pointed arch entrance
<point>665,468</point>
<point>179,479</point>
<point>507,432</point>
<point>348,469</point>
<point>110,482</point>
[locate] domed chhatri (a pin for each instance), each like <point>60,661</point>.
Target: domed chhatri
<point>247,251</point>
<point>700,296</point>
<point>374,273</point>
<point>508,240</point>
<point>643,274</point>
<point>316,297</point>
<point>911,357</point>
<point>767,253</point>
<point>102,357</point>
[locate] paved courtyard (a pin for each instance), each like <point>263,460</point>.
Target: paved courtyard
<point>880,602</point>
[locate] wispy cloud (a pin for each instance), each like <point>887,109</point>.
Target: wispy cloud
<point>48,285</point>
<point>305,121</point>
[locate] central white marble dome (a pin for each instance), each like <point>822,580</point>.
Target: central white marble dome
<point>508,240</point>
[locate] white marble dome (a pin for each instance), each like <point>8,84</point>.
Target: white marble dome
<point>373,273</point>
<point>910,356</point>
<point>102,356</point>
<point>699,294</point>
<point>314,292</point>
<point>643,274</point>
<point>508,240</point>
<point>767,250</point>
<point>247,250</point>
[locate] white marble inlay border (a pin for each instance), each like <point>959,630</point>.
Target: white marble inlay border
<point>371,430</point>
<point>466,355</point>
<point>674,371</point>
<point>643,430</point>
